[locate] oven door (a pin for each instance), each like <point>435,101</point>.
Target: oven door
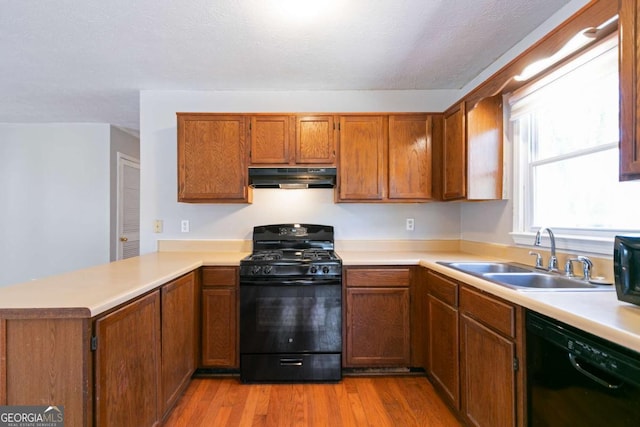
<point>291,316</point>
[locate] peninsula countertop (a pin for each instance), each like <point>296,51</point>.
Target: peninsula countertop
<point>92,291</point>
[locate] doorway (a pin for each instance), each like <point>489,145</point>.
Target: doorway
<point>128,207</point>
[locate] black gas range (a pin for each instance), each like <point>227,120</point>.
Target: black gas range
<point>291,305</point>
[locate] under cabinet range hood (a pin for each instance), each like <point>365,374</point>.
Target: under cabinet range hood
<point>292,178</point>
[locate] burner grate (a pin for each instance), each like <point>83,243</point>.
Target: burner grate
<point>316,254</point>
<point>274,255</point>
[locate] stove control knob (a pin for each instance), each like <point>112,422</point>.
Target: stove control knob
<point>325,269</point>
<point>266,269</point>
<point>256,269</point>
<point>313,269</point>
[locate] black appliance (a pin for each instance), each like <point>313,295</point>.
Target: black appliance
<point>626,268</point>
<point>291,305</point>
<point>577,379</point>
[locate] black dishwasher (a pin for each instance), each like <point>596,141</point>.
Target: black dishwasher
<point>577,379</point>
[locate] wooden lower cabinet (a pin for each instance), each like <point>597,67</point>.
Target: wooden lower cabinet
<point>377,317</point>
<point>125,367</point>
<point>443,343</point>
<point>51,345</point>
<point>179,342</point>
<point>127,364</point>
<point>220,318</point>
<point>491,344</point>
<point>488,377</point>
<point>474,349</point>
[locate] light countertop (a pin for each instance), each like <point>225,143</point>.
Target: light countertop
<point>92,291</point>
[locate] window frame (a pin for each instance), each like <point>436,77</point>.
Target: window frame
<point>597,241</point>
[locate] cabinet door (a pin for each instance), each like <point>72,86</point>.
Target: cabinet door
<point>454,153</point>
<point>178,337</point>
<point>270,136</point>
<point>629,87</point>
<point>378,331</point>
<point>443,347</point>
<point>362,156</point>
<point>484,149</point>
<point>315,140</point>
<point>419,320</point>
<point>410,157</point>
<point>127,364</point>
<point>488,376</point>
<point>219,327</point>
<point>212,158</point>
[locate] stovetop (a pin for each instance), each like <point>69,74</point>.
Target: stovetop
<point>292,250</point>
<point>303,255</point>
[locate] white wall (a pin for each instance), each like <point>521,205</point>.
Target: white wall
<point>493,221</point>
<point>54,191</point>
<point>158,153</point>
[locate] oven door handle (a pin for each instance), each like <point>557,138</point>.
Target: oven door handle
<point>290,282</point>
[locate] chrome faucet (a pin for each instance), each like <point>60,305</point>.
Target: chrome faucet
<point>553,259</point>
<point>587,266</point>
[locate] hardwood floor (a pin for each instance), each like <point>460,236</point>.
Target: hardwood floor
<point>355,401</point>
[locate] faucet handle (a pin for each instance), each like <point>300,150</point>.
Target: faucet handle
<point>568,267</point>
<point>538,258</point>
<point>587,266</point>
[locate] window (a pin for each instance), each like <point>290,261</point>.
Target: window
<point>565,132</point>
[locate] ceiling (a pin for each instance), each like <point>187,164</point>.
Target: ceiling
<point>87,60</point>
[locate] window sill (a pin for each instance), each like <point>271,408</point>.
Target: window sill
<point>569,243</point>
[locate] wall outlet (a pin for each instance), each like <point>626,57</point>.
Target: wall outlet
<point>410,224</point>
<point>157,226</point>
<point>184,226</point>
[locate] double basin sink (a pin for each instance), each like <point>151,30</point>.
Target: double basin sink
<point>523,277</point>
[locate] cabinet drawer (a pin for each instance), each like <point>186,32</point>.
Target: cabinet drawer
<point>442,288</point>
<point>488,310</point>
<point>219,276</point>
<point>378,277</point>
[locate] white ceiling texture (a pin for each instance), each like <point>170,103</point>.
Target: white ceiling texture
<point>87,60</point>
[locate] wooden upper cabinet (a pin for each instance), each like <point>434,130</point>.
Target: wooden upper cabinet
<point>629,14</point>
<point>454,154</point>
<point>212,158</point>
<point>315,139</point>
<point>471,151</point>
<point>292,140</point>
<point>363,141</point>
<point>410,157</point>
<point>270,136</point>
<point>484,149</point>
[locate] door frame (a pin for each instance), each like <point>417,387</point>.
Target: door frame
<point>121,160</point>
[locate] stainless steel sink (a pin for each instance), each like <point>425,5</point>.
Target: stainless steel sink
<point>542,281</point>
<point>523,277</point>
<point>487,267</point>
